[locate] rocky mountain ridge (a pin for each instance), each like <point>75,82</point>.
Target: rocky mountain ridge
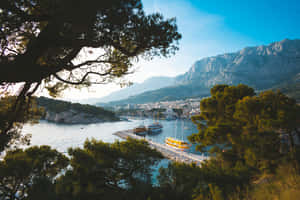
<point>261,67</point>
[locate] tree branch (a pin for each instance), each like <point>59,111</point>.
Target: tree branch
<point>90,62</point>
<point>83,78</point>
<point>29,94</point>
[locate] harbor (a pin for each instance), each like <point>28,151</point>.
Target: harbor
<point>167,151</point>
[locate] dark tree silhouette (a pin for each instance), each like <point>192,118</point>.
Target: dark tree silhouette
<point>41,39</point>
<point>59,43</point>
<point>238,126</point>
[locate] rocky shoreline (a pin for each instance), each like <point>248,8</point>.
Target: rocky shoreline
<point>74,117</point>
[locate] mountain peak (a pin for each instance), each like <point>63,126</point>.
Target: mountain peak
<point>265,63</point>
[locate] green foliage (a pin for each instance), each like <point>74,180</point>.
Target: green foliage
<point>213,180</point>
<point>41,188</point>
<point>243,134</point>
<point>56,89</point>
<point>285,185</point>
<point>282,185</point>
<point>12,117</point>
<point>121,170</point>
<point>216,193</point>
<point>245,128</point>
<point>22,171</point>
<point>291,89</point>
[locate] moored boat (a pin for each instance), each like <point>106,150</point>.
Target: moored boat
<point>156,127</point>
<point>177,144</point>
<point>140,130</point>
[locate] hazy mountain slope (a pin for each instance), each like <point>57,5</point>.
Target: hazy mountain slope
<point>138,88</point>
<point>163,94</point>
<point>260,67</point>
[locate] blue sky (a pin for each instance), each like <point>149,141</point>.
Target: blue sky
<point>263,21</point>
<point>212,27</point>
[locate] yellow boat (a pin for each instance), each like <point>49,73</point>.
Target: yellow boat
<point>178,144</point>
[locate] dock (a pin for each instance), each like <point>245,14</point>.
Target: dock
<point>165,150</point>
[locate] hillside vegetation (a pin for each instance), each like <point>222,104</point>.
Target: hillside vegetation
<point>292,90</point>
<point>57,110</point>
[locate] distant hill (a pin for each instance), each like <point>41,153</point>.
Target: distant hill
<point>163,94</point>
<point>73,113</point>
<point>261,67</point>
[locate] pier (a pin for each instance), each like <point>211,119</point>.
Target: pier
<point>165,150</point>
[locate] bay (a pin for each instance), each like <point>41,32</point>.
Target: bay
<point>62,137</point>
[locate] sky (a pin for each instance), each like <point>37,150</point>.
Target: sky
<point>209,28</point>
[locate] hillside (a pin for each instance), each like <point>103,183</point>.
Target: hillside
<point>163,94</point>
<point>73,113</point>
<point>261,67</point>
<point>152,83</point>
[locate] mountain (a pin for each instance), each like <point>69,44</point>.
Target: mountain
<point>152,83</point>
<point>261,67</point>
<point>171,93</point>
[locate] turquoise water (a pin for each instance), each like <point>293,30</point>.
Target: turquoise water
<point>61,137</point>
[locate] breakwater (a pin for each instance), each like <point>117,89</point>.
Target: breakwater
<point>167,151</point>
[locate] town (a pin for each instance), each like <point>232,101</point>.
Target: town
<point>168,110</point>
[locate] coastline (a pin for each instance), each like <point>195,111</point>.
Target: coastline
<point>72,118</point>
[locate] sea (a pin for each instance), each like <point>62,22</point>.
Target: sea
<point>62,137</point>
